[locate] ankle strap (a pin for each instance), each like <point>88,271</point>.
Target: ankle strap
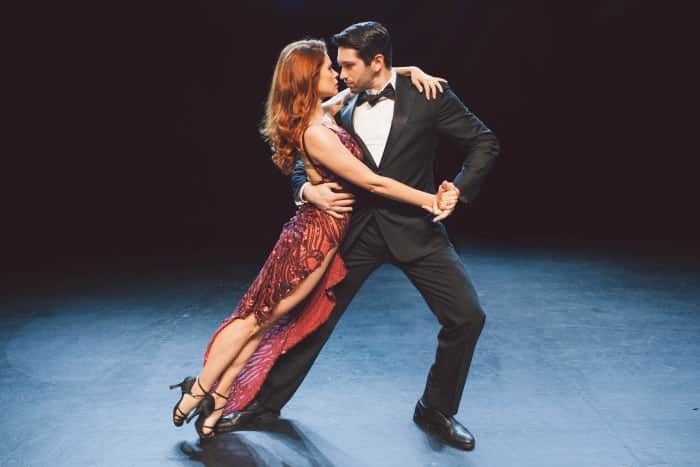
<point>220,395</point>
<point>204,391</point>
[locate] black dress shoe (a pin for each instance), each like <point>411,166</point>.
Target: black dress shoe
<point>443,427</point>
<point>253,417</point>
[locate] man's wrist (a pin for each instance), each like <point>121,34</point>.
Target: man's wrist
<point>300,201</point>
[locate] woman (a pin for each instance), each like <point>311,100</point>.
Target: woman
<point>303,265</point>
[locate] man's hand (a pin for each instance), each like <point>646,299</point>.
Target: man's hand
<point>445,200</point>
<point>330,198</point>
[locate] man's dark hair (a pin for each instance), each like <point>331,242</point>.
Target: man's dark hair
<point>369,39</point>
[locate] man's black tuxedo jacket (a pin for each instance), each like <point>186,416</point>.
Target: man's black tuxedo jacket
<point>408,157</point>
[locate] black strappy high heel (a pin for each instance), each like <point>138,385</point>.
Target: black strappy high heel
<point>204,410</point>
<point>185,386</point>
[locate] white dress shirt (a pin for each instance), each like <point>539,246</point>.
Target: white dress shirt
<point>372,123</point>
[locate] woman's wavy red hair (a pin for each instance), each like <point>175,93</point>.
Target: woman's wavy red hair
<point>291,100</point>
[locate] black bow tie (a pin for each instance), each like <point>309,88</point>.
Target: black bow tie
<point>372,99</point>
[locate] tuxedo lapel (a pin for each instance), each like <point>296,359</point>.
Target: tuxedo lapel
<point>346,114</point>
<point>346,121</point>
<point>403,104</point>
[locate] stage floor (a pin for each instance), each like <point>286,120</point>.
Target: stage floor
<point>590,357</point>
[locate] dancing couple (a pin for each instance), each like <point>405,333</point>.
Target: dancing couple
<point>363,180</point>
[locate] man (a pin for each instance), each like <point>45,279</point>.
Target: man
<point>398,131</point>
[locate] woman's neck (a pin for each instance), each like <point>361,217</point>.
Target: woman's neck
<point>316,115</point>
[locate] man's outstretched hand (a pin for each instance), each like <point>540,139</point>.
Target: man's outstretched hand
<point>330,198</point>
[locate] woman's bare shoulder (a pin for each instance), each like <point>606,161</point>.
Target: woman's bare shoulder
<point>319,134</point>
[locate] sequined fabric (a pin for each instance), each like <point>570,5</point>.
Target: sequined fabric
<point>304,242</point>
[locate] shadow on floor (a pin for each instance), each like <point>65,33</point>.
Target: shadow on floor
<point>291,446</point>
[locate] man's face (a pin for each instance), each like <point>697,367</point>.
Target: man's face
<point>353,71</point>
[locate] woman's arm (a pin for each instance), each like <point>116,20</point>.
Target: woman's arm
<point>323,145</point>
<point>421,79</point>
<point>335,103</point>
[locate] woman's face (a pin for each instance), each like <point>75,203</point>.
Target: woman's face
<point>328,79</point>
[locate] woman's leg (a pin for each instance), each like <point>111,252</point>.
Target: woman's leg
<point>227,345</point>
<point>231,373</point>
<point>232,349</point>
<point>223,388</point>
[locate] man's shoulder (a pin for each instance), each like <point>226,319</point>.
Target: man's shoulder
<point>407,85</point>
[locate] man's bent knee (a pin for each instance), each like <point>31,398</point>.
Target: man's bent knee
<point>471,317</point>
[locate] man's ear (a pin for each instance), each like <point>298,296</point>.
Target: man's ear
<point>378,62</point>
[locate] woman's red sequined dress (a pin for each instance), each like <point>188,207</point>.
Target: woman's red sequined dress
<point>303,244</point>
